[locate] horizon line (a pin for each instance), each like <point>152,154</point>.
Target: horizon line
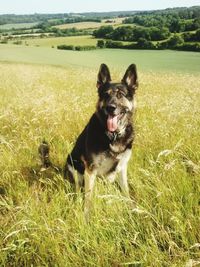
<point>84,12</point>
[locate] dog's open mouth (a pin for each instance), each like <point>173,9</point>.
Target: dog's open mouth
<point>112,123</point>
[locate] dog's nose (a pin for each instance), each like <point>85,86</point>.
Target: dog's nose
<point>111,108</point>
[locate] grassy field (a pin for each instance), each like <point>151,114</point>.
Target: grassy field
<point>54,41</point>
<point>17,26</point>
<point>42,222</point>
<point>90,24</point>
<point>147,60</point>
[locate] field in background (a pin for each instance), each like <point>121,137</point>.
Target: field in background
<point>147,60</point>
<point>17,26</point>
<point>91,25</point>
<point>42,224</point>
<point>54,41</point>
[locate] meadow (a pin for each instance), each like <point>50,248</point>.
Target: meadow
<point>91,25</point>
<point>11,26</point>
<point>46,93</point>
<point>54,41</point>
<point>148,60</point>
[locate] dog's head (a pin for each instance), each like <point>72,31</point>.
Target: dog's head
<point>116,100</point>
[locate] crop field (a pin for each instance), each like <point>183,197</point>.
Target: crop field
<point>41,219</point>
<point>17,26</point>
<point>54,41</point>
<point>91,24</point>
<point>147,60</point>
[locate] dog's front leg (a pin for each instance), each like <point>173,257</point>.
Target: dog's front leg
<point>89,188</point>
<point>122,169</point>
<point>123,180</point>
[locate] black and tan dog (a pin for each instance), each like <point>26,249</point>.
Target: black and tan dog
<point>104,146</point>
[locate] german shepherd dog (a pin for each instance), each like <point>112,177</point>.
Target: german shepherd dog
<point>104,146</point>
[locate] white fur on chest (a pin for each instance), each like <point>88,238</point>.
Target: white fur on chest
<point>103,163</point>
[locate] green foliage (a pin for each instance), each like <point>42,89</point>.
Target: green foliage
<point>141,44</point>
<point>144,44</point>
<point>174,41</point>
<point>103,32</point>
<point>113,44</point>
<point>76,48</point>
<point>100,43</point>
<point>128,33</point>
<point>189,47</point>
<point>122,34</point>
<point>85,48</point>
<point>176,20</point>
<point>45,19</point>
<point>158,34</point>
<point>65,47</point>
<point>191,37</point>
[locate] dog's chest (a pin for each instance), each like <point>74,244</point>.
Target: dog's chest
<point>106,163</point>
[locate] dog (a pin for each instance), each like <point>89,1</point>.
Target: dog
<point>104,146</point>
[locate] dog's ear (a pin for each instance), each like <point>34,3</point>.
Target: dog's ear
<point>103,75</point>
<point>130,77</point>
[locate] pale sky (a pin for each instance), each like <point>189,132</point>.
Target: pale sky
<point>66,6</point>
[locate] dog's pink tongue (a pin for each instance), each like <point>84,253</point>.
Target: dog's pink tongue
<point>112,123</point>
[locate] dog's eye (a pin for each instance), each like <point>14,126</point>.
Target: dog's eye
<point>106,95</point>
<point>120,94</point>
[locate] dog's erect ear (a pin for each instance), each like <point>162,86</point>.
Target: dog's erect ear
<point>130,77</point>
<point>103,75</point>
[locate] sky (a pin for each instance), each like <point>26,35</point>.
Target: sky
<point>67,6</point>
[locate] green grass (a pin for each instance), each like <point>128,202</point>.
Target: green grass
<point>17,26</point>
<point>148,60</point>
<point>54,41</point>
<point>42,224</point>
<point>90,24</point>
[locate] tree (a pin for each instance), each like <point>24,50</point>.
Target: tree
<point>122,33</point>
<point>145,44</point>
<point>197,36</point>
<point>175,41</point>
<point>103,32</point>
<point>159,34</point>
<point>100,44</point>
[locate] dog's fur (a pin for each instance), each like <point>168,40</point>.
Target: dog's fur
<point>104,146</point>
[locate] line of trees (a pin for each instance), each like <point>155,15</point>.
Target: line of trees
<point>128,33</point>
<point>174,23</point>
<point>12,18</point>
<point>176,42</point>
<point>56,32</point>
<point>191,37</point>
<point>176,20</point>
<point>77,48</point>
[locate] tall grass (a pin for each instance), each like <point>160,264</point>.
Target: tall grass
<point>41,219</point>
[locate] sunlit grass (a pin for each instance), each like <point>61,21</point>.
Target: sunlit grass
<point>91,24</point>
<point>54,41</point>
<point>147,60</point>
<point>42,222</point>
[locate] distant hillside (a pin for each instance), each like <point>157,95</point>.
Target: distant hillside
<point>108,14</point>
<point>12,18</point>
